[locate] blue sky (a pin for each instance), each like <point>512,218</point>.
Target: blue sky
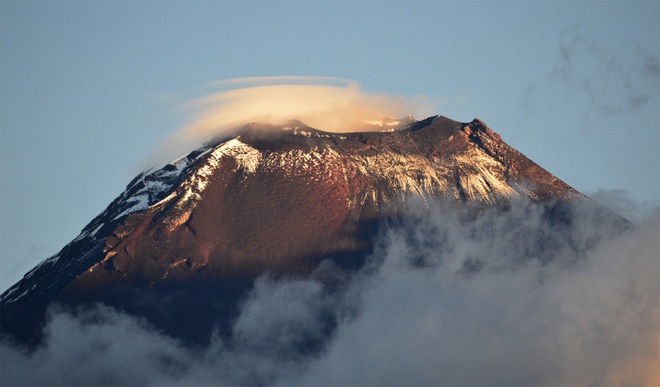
<point>88,89</point>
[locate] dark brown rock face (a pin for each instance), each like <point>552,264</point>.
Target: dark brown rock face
<point>194,234</point>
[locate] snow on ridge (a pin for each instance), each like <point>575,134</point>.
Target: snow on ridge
<point>154,184</point>
<point>149,188</point>
<point>247,158</point>
<point>6,298</point>
<point>482,177</point>
<point>9,292</point>
<point>50,260</point>
<point>138,203</point>
<point>406,174</point>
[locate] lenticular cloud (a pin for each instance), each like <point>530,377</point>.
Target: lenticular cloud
<point>325,103</point>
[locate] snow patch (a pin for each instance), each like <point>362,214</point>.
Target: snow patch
<point>247,159</point>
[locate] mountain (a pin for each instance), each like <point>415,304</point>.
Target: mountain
<point>182,244</point>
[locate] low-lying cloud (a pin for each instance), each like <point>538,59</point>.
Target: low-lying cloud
<point>448,298</point>
<point>325,103</point>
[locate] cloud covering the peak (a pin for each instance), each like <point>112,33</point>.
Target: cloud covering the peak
<point>325,103</point>
<point>496,298</point>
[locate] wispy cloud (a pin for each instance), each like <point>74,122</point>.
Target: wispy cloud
<point>611,82</point>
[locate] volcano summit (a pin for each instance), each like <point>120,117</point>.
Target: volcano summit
<point>183,243</point>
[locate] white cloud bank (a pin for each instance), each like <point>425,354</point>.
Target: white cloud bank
<point>447,299</point>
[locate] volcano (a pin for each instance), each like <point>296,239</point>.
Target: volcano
<point>184,243</point>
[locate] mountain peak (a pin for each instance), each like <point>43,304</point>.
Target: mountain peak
<point>279,199</point>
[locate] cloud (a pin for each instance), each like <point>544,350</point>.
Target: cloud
<point>620,202</point>
<point>100,347</point>
<point>448,298</point>
<point>612,82</point>
<point>286,79</point>
<point>325,103</point>
<point>576,319</point>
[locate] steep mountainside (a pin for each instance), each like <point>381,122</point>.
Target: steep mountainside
<point>182,243</point>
